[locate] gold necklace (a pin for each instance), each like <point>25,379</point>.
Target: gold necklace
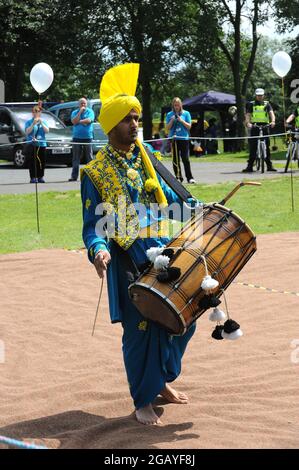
<point>121,157</point>
<point>126,154</point>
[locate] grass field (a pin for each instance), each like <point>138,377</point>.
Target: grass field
<point>267,209</point>
<point>60,221</point>
<point>238,157</point>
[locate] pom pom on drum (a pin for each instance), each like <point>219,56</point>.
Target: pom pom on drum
<point>217,315</point>
<point>161,262</point>
<point>160,257</point>
<point>209,301</point>
<point>230,330</point>
<point>153,252</point>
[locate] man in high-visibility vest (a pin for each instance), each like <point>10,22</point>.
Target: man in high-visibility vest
<point>294,115</point>
<point>259,112</point>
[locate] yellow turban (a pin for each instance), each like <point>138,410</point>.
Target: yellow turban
<point>115,108</point>
<point>117,92</point>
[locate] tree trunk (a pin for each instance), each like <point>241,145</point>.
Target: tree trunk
<point>146,107</point>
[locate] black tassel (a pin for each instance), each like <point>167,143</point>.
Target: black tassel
<point>209,301</point>
<point>173,273</point>
<point>230,326</point>
<point>216,334</point>
<point>204,303</point>
<point>170,274</point>
<point>214,301</point>
<point>168,252</point>
<point>163,276</point>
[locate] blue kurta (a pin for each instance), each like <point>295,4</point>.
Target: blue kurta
<point>152,356</point>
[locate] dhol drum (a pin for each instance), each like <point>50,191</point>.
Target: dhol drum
<point>217,239</point>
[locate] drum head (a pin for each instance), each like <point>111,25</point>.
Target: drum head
<point>151,305</point>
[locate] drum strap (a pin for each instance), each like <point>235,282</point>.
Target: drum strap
<point>168,177</point>
<point>130,267</point>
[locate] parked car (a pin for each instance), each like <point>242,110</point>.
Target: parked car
<point>64,110</point>
<point>12,136</point>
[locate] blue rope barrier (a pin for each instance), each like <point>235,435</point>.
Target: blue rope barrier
<point>20,444</point>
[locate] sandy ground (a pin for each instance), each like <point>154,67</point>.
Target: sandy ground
<point>63,388</point>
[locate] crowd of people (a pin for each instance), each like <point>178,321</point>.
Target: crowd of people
<point>180,136</point>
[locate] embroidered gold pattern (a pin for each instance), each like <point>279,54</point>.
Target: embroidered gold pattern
<point>142,325</point>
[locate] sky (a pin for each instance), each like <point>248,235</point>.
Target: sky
<point>268,29</point>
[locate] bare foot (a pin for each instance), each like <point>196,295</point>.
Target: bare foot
<point>146,415</point>
<point>173,396</point>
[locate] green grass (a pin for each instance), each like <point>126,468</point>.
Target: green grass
<point>267,209</point>
<point>60,221</point>
<point>238,157</point>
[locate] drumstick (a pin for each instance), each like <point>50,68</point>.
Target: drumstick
<point>243,183</point>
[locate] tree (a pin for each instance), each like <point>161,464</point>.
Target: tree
<point>138,32</point>
<point>35,31</point>
<point>223,25</point>
<point>287,17</point>
<point>18,21</point>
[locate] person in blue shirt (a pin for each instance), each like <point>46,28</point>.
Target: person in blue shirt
<point>178,122</point>
<point>36,130</point>
<point>82,119</point>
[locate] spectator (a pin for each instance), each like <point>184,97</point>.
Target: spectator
<point>294,116</point>
<point>36,130</point>
<point>232,129</point>
<point>157,143</point>
<point>165,143</point>
<point>82,120</point>
<point>212,145</point>
<point>178,122</point>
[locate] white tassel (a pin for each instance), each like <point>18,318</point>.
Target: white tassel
<point>234,335</point>
<point>153,252</point>
<point>209,283</point>
<point>217,315</point>
<point>161,262</point>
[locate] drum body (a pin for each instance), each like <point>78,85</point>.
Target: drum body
<point>226,242</point>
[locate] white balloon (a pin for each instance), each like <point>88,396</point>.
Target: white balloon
<point>41,77</point>
<point>281,63</point>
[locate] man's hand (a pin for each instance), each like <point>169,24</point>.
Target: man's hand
<point>101,261</point>
<point>249,125</point>
<point>272,124</point>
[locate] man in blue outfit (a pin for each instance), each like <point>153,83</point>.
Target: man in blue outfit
<point>122,171</point>
<point>178,122</point>
<point>82,119</point>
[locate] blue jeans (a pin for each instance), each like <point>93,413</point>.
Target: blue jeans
<point>84,149</point>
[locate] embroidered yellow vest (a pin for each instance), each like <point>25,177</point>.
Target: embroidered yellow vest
<point>107,179</point>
